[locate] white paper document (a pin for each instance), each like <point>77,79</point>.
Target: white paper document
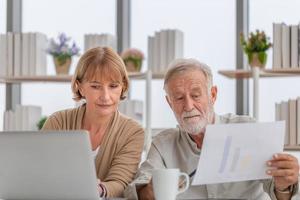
<point>238,152</point>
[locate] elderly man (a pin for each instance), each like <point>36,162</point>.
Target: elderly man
<point>191,95</point>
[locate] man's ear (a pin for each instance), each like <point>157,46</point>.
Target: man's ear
<point>213,93</point>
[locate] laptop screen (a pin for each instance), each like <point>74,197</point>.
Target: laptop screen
<point>47,165</point>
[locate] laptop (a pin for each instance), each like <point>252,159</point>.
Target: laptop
<point>47,165</point>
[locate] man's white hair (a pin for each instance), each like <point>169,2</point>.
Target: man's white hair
<point>186,65</point>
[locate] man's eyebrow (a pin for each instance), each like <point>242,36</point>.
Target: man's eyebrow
<point>197,88</point>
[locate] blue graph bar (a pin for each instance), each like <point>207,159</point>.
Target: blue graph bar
<point>235,159</point>
<point>225,154</point>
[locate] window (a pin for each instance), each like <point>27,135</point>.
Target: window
<point>2,16</point>
<point>209,36</point>
<point>2,86</point>
<point>75,18</point>
<point>273,90</point>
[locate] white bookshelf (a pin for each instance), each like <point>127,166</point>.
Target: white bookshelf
<point>67,78</point>
<point>264,73</point>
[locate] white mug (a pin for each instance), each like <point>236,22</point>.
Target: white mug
<point>166,183</point>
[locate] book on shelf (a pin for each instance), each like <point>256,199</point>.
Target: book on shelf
<point>23,54</point>
<point>277,61</point>
<point>23,118</point>
<point>292,122</point>
<point>289,111</point>
<point>294,46</point>
<point>165,46</point>
<point>3,55</point>
<point>156,58</point>
<point>286,44</point>
<point>17,54</point>
<point>284,115</point>
<point>95,40</point>
<point>10,53</point>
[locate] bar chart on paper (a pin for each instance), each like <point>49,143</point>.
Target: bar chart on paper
<point>238,162</point>
<point>238,152</point>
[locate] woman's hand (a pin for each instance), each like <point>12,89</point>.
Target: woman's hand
<point>146,192</point>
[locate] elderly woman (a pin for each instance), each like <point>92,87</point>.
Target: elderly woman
<point>101,81</point>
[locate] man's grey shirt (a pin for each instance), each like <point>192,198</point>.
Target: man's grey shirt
<point>173,148</point>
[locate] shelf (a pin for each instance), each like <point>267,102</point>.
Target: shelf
<point>137,76</point>
<point>240,74</point>
<point>67,78</point>
<point>19,79</point>
<point>291,148</point>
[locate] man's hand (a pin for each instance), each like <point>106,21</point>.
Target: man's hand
<point>285,170</point>
<point>146,192</point>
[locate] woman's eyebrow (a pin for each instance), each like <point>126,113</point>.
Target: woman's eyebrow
<point>94,82</point>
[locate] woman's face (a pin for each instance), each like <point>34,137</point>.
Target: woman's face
<point>102,96</point>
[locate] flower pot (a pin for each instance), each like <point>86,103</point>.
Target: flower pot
<point>62,67</point>
<point>133,65</point>
<point>257,59</point>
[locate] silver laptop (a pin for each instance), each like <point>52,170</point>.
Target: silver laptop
<point>47,165</point>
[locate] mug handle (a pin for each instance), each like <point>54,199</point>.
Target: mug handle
<point>187,180</point>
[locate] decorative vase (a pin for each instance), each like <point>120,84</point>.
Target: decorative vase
<point>133,65</point>
<point>62,67</point>
<point>257,59</point>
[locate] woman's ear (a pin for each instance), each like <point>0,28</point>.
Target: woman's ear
<point>79,88</point>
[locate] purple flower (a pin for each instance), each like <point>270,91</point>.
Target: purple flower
<point>61,47</point>
<point>63,38</point>
<point>74,49</point>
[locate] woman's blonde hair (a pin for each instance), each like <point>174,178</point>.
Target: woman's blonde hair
<point>97,64</point>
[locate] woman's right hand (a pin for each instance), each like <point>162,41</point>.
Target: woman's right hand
<point>146,192</point>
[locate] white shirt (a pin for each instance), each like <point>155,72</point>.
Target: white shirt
<point>95,152</point>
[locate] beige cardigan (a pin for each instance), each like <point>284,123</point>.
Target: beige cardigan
<point>120,153</point>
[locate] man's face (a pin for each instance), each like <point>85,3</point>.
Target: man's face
<point>190,101</point>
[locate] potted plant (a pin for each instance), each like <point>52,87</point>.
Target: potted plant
<point>62,53</point>
<point>255,47</point>
<point>41,122</point>
<point>133,59</point>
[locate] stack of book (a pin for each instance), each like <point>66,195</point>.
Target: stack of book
<point>96,40</point>
<point>286,44</point>
<point>164,47</point>
<point>132,109</point>
<point>289,111</point>
<point>23,54</point>
<point>23,118</point>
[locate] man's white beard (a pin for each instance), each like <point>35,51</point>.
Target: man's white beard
<point>194,128</point>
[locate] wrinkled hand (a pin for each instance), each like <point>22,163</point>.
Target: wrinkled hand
<point>284,170</point>
<point>146,192</point>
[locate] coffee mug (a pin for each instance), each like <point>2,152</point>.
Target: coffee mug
<point>166,183</point>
